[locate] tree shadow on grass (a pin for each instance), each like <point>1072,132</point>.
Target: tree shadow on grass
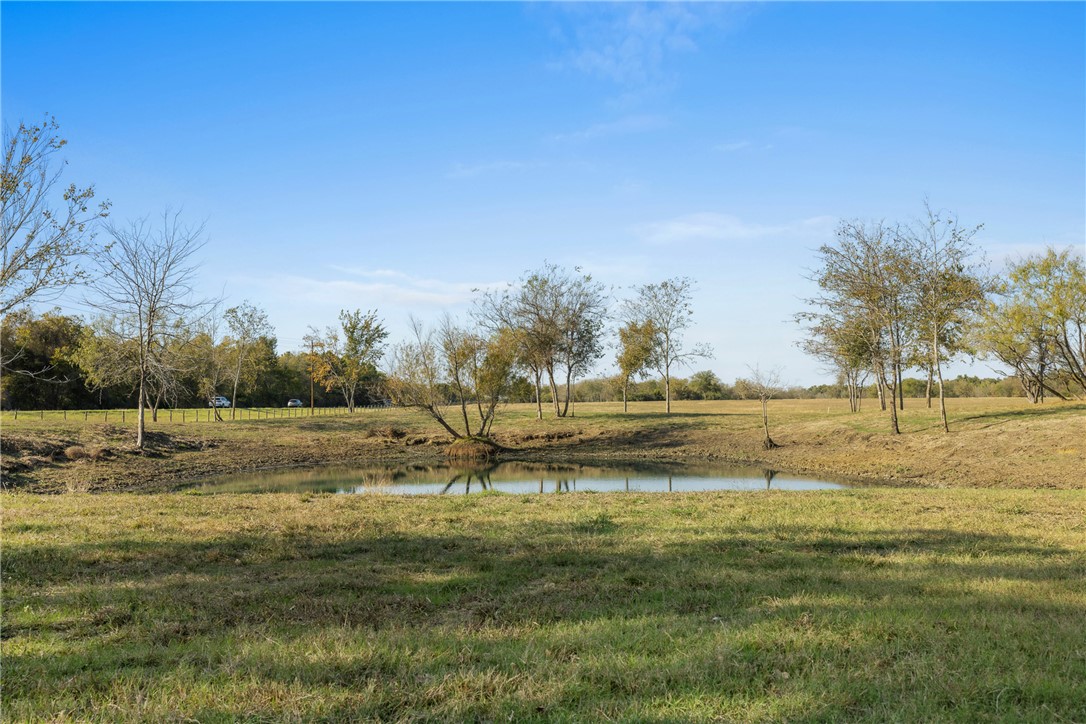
<point>589,601</point>
<point>999,417</point>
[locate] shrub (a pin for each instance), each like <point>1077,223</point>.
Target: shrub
<point>75,452</point>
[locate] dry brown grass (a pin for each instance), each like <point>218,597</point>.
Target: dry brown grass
<point>75,452</point>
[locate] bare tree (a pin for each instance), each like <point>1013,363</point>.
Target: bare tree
<point>447,372</point>
<point>247,324</point>
<point>668,307</point>
<point>417,376</point>
<point>145,282</point>
<point>108,355</point>
<point>762,386</point>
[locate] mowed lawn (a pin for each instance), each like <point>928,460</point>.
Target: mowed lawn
<point>867,604</point>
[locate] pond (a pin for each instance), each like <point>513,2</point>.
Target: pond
<point>515,477</point>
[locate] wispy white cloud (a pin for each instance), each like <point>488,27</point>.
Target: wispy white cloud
<point>622,126</point>
<point>711,226</point>
<point>461,170</point>
<point>628,43</point>
<point>362,287</point>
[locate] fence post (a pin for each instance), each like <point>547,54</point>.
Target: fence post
<point>16,414</point>
<point>85,413</point>
<point>65,415</point>
<point>182,415</point>
<point>106,418</point>
<point>41,414</point>
<point>122,416</point>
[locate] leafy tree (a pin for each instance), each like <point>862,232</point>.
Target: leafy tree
<point>41,373</point>
<point>108,357</point>
<point>707,385</point>
<point>843,343</point>
<point>1037,327</point>
<point>349,363</point>
<point>247,325</point>
<point>668,307</point>
<point>864,282</point>
<point>948,289</point>
<point>556,319</point>
<point>40,244</point>
<point>637,342</point>
<point>211,356</point>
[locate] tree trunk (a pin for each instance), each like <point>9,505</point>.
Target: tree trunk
<point>569,392</point>
<point>880,385</point>
<point>434,414</point>
<point>900,387</point>
<point>1027,387</point>
<point>234,394</point>
<point>667,390</point>
<point>554,390</point>
<point>939,373</point>
<point>893,413</point>
<point>464,411</point>
<point>141,415</point>
<point>927,390</point>
<point>767,443</point>
<point>625,387</point>
<point>538,397</point>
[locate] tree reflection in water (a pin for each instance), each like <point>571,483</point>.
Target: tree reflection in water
<point>480,475</point>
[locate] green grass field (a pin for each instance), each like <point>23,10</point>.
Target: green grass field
<point>874,604</point>
<point>961,600</point>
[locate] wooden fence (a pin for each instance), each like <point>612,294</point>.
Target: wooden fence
<point>180,415</point>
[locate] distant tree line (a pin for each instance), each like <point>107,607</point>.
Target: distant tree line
<point>891,298</point>
<point>706,385</point>
<point>61,364</point>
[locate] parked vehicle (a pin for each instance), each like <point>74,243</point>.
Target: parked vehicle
<point>218,401</point>
<point>295,403</point>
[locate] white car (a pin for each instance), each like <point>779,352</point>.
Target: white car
<point>218,401</point>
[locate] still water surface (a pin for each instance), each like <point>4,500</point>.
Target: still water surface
<point>515,477</point>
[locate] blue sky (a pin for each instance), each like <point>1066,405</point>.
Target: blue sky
<point>398,156</point>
